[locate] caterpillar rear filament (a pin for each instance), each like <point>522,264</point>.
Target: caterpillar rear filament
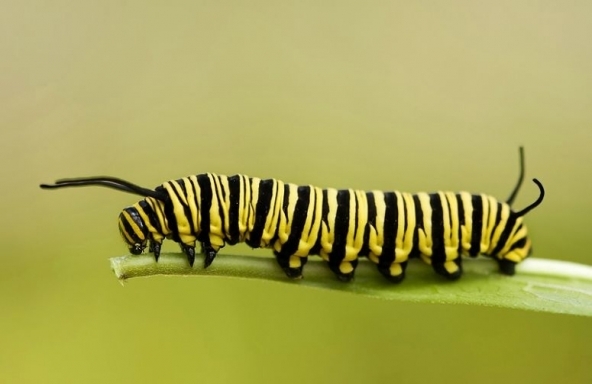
<point>341,226</point>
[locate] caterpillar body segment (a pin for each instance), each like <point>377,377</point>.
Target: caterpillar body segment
<point>339,225</point>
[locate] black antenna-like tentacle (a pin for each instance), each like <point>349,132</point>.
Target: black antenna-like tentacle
<point>537,202</point>
<point>125,185</point>
<point>106,181</point>
<point>514,193</point>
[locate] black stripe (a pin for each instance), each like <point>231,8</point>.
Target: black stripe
<point>438,251</point>
<point>371,221</point>
<point>461,210</point>
<point>152,217</point>
<point>312,210</point>
<point>325,207</point>
<point>233,210</point>
<point>286,201</point>
<point>405,215</point>
<point>205,187</point>
<point>341,228</point>
<point>391,221</point>
<point>504,237</point>
<point>371,209</point>
<point>161,209</point>
<point>186,208</point>
<point>169,213</point>
<point>450,217</point>
<point>298,220</point>
<point>261,211</point>
<point>418,225</point>
<point>316,249</point>
<point>197,203</point>
<point>461,220</point>
<point>220,196</point>
<point>498,218</point>
<point>477,225</point>
<point>519,244</point>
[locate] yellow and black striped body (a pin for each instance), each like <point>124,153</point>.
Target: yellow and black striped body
<point>339,225</point>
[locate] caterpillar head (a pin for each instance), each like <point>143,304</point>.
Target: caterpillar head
<point>131,225</point>
<point>133,230</point>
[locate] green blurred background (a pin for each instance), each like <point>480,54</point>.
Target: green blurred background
<point>374,95</point>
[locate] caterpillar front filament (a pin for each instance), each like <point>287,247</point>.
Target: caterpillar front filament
<point>339,225</point>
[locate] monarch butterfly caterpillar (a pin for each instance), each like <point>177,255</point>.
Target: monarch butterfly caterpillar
<point>339,225</point>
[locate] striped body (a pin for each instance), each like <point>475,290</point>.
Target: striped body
<point>339,225</point>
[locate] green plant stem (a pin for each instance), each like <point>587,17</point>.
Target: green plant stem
<point>539,285</point>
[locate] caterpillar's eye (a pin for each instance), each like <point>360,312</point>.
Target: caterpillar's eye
<point>137,249</point>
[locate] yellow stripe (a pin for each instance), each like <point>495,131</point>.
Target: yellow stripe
<point>225,192</point>
<point>411,223</point>
<point>349,236</point>
<point>272,220</point>
<point>286,218</point>
<point>215,230</point>
<point>312,224</point>
<point>362,220</point>
<point>490,223</point>
<point>327,236</point>
<point>400,224</point>
<point>452,240</point>
<point>177,187</point>
<point>425,236</point>
<point>485,220</point>
<point>445,221</point>
<point>355,238</point>
<point>182,220</point>
<point>467,229</point>
<point>253,204</point>
<point>376,239</point>
<point>243,198</point>
<point>195,202</point>
<point>220,204</point>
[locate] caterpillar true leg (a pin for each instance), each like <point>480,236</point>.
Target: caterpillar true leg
<point>154,247</point>
<point>189,251</point>
<point>209,254</point>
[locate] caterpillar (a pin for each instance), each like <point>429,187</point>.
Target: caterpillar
<point>341,225</point>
